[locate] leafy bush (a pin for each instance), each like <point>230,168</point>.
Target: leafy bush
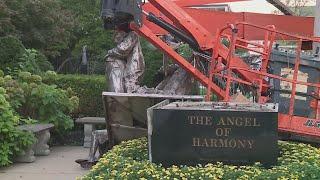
<point>14,57</point>
<point>11,51</point>
<point>88,88</point>
<point>12,140</point>
<point>34,62</point>
<point>129,160</point>
<point>34,100</point>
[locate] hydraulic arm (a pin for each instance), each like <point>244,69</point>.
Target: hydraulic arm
<point>216,37</point>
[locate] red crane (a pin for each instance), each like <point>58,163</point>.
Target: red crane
<point>207,32</point>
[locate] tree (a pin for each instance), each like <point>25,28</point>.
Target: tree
<point>89,30</point>
<point>5,22</point>
<point>42,25</point>
<point>299,7</point>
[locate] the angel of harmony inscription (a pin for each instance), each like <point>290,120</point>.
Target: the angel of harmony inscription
<point>200,133</point>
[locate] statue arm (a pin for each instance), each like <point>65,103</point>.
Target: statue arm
<point>124,48</point>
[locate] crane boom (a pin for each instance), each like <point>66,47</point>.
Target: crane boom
<point>222,68</point>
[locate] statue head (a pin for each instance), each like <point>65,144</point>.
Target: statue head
<point>121,31</point>
<point>119,36</point>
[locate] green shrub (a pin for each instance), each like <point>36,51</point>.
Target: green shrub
<point>129,160</point>
<point>11,51</point>
<point>34,62</point>
<point>34,100</point>
<point>12,140</point>
<point>88,88</point>
<point>14,57</point>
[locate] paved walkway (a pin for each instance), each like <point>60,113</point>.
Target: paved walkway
<point>59,165</point>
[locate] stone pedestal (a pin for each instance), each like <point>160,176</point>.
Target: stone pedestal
<point>40,147</point>
<point>88,129</point>
<point>192,133</point>
<point>26,156</point>
<point>90,124</point>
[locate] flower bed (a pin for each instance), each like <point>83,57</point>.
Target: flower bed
<point>129,160</point>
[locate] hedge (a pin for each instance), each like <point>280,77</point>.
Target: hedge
<point>129,160</point>
<point>88,88</point>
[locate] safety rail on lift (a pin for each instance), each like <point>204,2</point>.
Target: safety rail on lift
<point>264,50</point>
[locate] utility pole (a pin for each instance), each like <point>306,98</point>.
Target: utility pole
<point>317,27</point>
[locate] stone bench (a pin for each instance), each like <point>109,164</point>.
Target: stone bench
<point>90,126</point>
<point>40,147</point>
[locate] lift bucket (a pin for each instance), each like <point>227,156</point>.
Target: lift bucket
<point>119,12</point>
